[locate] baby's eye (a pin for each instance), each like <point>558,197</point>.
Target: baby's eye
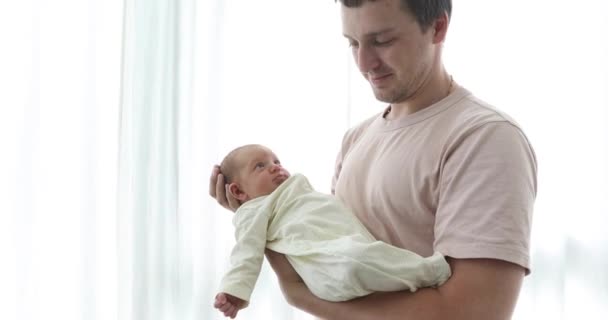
<point>277,162</point>
<point>259,165</point>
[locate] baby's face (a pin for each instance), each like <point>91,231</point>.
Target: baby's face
<point>261,172</point>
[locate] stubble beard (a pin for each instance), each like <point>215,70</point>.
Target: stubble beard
<point>398,94</point>
<point>402,89</point>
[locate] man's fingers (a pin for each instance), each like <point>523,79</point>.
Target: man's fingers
<point>219,190</point>
<point>213,181</point>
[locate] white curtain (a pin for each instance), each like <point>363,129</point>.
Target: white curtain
<point>200,78</point>
<point>60,86</point>
<point>104,206</point>
<point>546,64</point>
<point>269,72</point>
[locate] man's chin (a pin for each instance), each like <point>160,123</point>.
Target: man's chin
<point>383,97</point>
<point>388,97</point>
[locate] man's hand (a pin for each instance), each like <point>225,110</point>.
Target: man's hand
<point>218,189</point>
<point>290,281</point>
<point>281,266</point>
<point>228,304</point>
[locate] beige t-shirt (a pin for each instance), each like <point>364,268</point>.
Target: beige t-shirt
<point>458,177</point>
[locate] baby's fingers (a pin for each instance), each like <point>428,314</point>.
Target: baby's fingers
<point>226,307</point>
<point>231,312</point>
<point>220,300</point>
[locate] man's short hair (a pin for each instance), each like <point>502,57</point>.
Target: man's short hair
<point>425,11</point>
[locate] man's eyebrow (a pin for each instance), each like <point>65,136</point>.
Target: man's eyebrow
<point>372,34</point>
<point>380,32</point>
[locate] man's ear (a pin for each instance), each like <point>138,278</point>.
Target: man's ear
<point>440,28</point>
<point>237,192</point>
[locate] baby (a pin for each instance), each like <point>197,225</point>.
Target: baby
<point>336,256</point>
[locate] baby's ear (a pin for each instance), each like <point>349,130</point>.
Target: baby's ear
<point>237,192</point>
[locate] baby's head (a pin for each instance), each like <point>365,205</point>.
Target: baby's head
<point>252,171</point>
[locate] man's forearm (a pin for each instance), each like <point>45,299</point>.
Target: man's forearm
<point>386,306</point>
<point>481,289</point>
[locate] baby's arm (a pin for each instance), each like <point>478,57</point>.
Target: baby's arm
<point>228,304</point>
<point>245,261</point>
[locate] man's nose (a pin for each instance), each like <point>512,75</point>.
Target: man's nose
<point>367,59</point>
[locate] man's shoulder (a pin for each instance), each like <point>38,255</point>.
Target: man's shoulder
<point>467,116</point>
<point>472,111</point>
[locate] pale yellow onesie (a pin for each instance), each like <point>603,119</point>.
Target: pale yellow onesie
<point>331,250</point>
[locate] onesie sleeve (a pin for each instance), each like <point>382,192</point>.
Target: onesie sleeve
<point>487,191</point>
<point>248,253</point>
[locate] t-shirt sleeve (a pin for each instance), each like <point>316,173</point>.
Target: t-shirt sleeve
<point>337,168</point>
<point>487,192</point>
<point>349,138</point>
<point>346,142</point>
<point>248,253</point>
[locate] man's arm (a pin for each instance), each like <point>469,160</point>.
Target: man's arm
<point>484,289</point>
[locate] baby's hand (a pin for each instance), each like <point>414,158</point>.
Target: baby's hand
<point>228,304</point>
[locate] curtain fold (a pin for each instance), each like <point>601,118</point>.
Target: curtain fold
<point>178,110</point>
<point>148,208</point>
<point>58,132</point>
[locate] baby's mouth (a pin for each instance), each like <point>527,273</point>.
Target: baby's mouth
<point>280,178</point>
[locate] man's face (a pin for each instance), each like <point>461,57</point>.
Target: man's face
<point>261,172</point>
<point>390,49</point>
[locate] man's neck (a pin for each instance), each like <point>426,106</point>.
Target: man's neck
<point>429,94</point>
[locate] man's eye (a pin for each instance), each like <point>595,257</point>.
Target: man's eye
<point>382,42</point>
<point>353,44</point>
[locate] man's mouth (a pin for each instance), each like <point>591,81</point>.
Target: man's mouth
<point>375,79</point>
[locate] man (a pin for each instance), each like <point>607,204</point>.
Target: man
<point>438,170</point>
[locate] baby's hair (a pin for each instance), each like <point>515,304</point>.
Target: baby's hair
<point>230,166</point>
